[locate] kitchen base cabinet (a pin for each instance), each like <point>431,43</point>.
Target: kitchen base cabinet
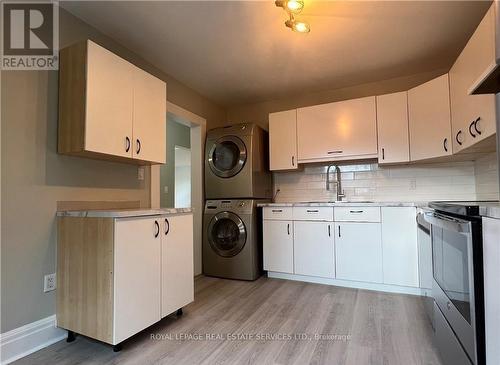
<point>314,249</point>
<point>177,263</point>
<point>399,246</point>
<point>109,273</point>
<point>358,252</point>
<point>278,245</point>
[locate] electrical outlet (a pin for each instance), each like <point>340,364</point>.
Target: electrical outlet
<point>140,173</point>
<point>413,184</point>
<point>49,282</point>
<point>165,189</point>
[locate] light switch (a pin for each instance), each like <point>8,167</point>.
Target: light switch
<point>165,189</point>
<point>140,173</point>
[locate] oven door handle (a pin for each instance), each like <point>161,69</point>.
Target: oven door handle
<point>448,223</point>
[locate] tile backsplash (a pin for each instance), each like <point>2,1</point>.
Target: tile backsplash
<point>369,181</point>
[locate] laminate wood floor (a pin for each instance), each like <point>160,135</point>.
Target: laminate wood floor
<point>271,321</point>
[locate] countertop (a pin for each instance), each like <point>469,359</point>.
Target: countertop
<point>345,204</point>
<point>123,213</point>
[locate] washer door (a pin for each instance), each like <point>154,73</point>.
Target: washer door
<point>227,234</point>
<point>227,156</point>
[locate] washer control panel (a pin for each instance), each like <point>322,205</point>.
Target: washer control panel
<point>236,205</point>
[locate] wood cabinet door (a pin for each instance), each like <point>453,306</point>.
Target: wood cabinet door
<point>177,278</point>
<point>337,130</point>
<point>392,127</point>
<point>278,246</point>
<point>283,140</point>
<point>109,103</point>
<point>476,57</point>
<point>314,249</point>
<point>137,260</point>
<point>150,118</point>
<point>399,246</point>
<point>429,116</point>
<point>358,252</point>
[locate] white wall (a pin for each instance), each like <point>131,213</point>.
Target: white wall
<point>422,182</point>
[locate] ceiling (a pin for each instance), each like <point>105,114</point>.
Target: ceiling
<point>241,52</point>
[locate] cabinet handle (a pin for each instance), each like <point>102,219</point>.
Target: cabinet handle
<point>383,153</point>
<point>167,226</point>
<point>127,144</point>
<point>339,230</point>
<point>475,125</point>
<point>157,229</point>
<point>456,137</point>
<point>470,129</point>
<point>329,232</point>
<point>333,152</point>
<point>312,211</point>
<point>356,211</point>
<point>293,160</point>
<point>288,228</point>
<point>138,146</point>
<point>445,144</point>
<point>277,210</point>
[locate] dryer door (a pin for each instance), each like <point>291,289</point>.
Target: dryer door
<point>227,156</point>
<point>227,234</point>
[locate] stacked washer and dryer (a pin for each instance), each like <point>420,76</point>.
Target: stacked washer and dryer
<point>237,178</point>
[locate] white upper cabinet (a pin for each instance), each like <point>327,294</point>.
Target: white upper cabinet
<point>341,130</point>
<point>392,127</point>
<point>429,117</point>
<point>110,95</point>
<point>473,116</point>
<point>109,108</point>
<point>283,140</point>
<point>150,113</point>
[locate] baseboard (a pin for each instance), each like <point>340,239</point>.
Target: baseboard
<point>29,338</point>
<point>350,284</point>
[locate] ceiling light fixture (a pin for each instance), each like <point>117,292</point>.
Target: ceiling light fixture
<point>292,6</point>
<point>297,25</point>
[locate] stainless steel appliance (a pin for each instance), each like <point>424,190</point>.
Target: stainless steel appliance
<point>425,262</point>
<point>232,243</point>
<point>236,163</point>
<point>457,257</point>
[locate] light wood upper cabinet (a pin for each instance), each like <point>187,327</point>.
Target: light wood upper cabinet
<point>150,106</point>
<point>108,107</point>
<point>283,140</point>
<point>429,117</point>
<point>392,127</point>
<point>473,116</point>
<point>341,130</point>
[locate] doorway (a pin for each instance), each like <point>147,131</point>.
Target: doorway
<point>182,177</point>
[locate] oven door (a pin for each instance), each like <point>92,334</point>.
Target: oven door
<point>453,274</point>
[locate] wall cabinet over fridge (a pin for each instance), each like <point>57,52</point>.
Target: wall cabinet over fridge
<point>109,108</point>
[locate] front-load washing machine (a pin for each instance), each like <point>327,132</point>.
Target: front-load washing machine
<point>232,239</point>
<point>237,163</point>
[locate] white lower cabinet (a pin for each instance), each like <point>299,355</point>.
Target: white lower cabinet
<point>399,246</point>
<point>177,284</point>
<point>278,246</point>
<point>314,249</point>
<point>136,276</point>
<point>358,251</point>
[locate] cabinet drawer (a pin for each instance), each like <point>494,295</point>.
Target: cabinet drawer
<point>357,214</point>
<point>313,213</point>
<point>280,213</point>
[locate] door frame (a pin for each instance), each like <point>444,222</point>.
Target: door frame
<point>198,130</point>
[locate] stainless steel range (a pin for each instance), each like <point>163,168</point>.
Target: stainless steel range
<point>457,257</point>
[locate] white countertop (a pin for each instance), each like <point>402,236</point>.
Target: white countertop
<point>123,213</point>
<point>345,204</point>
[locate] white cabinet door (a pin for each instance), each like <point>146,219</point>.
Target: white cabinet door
<point>314,249</point>
<point>278,246</point>
<point>137,262</point>
<point>476,57</point>
<point>283,140</point>
<point>429,117</point>
<point>358,252</point>
<point>150,117</point>
<point>392,126</point>
<point>399,246</point>
<point>109,102</point>
<point>177,278</point>
<point>337,130</point>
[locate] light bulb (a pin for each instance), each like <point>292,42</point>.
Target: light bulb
<point>292,6</point>
<point>298,26</point>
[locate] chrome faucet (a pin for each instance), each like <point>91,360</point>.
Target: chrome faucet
<point>338,182</point>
